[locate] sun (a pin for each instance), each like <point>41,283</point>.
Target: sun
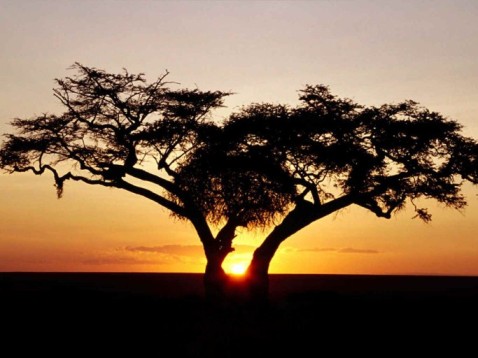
<point>238,268</point>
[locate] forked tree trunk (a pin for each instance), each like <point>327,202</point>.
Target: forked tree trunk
<point>224,290</point>
<point>256,287</point>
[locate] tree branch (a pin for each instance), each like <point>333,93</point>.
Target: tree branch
<point>168,204</point>
<point>226,235</point>
<point>144,175</point>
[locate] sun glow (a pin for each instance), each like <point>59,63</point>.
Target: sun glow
<point>238,268</point>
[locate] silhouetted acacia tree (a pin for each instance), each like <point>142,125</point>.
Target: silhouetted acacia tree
<point>266,166</point>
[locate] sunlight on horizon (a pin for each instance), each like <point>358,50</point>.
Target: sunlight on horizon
<point>238,268</point>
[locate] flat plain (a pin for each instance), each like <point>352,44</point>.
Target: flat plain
<point>166,314</point>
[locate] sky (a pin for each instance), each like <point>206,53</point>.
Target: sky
<point>374,52</point>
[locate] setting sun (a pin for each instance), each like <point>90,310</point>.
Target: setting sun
<point>238,268</point>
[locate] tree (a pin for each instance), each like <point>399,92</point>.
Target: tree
<point>266,166</point>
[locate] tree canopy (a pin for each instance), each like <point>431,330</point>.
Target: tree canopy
<point>327,148</point>
<point>116,127</point>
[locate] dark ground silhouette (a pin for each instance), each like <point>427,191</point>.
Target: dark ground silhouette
<point>166,315</point>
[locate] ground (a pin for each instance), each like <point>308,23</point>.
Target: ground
<point>166,315</point>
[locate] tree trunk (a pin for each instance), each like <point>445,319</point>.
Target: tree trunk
<point>215,282</point>
<point>219,288</point>
<point>257,274</point>
<point>301,216</point>
<point>215,279</point>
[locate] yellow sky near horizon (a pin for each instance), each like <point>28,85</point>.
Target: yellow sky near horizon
<point>372,52</point>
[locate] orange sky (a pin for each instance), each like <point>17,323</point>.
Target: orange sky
<point>373,52</point>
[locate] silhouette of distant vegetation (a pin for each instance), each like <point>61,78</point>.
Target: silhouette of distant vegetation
<point>269,166</point>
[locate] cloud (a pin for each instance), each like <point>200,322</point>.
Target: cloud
<point>181,250</point>
<point>190,254</point>
<point>140,257</point>
<point>347,250</point>
<point>147,255</point>
<point>318,249</point>
<point>161,255</point>
<point>350,250</point>
<point>121,260</point>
